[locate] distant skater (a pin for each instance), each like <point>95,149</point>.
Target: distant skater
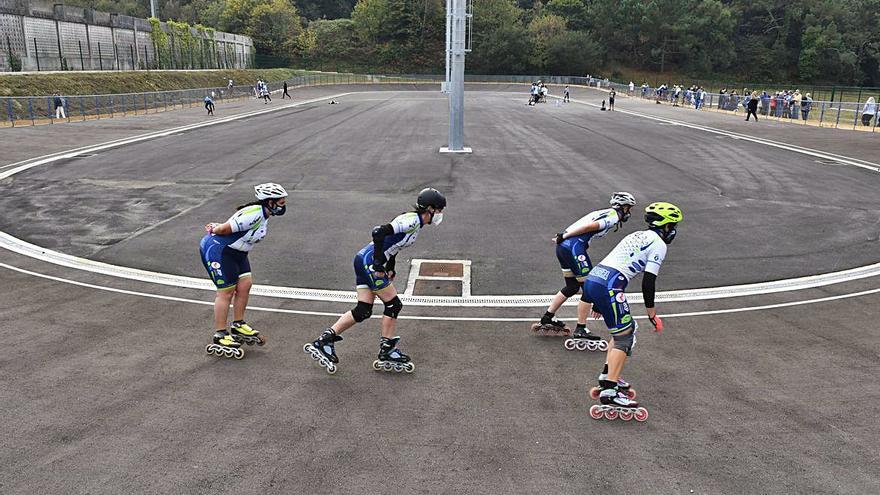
<point>209,105</point>
<point>285,93</point>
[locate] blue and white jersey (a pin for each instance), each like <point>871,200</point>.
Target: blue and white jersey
<point>606,218</point>
<point>640,251</point>
<point>406,228</point>
<point>248,228</point>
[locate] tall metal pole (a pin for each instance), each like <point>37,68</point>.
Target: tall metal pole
<point>153,8</point>
<point>456,47</point>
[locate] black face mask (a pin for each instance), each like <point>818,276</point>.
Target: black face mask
<point>669,236</point>
<point>624,215</point>
<point>277,211</point>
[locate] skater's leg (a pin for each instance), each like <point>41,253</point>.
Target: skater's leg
<point>242,293</point>
<point>392,309</point>
<point>584,309</point>
<point>361,312</point>
<point>221,307</point>
<point>621,346</point>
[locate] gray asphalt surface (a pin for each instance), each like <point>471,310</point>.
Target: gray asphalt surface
<point>109,392</point>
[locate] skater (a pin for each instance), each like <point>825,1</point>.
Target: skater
<point>59,103</point>
<point>571,251</point>
<point>224,251</point>
<point>533,95</point>
<point>209,105</point>
<point>611,100</point>
<point>566,96</point>
<point>264,93</point>
<point>374,273</point>
<point>641,251</point>
<point>285,93</point>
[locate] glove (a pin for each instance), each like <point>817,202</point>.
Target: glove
<point>657,322</point>
<point>378,267</point>
<point>559,238</point>
<point>391,274</point>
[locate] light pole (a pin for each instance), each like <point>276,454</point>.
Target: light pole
<point>457,23</point>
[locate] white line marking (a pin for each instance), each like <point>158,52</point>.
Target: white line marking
<point>428,318</point>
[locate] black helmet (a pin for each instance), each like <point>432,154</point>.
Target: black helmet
<point>430,197</point>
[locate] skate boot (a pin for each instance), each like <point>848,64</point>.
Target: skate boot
<point>224,345</point>
<point>245,334</point>
<point>550,327</point>
<point>583,340</point>
<point>391,358</point>
<point>622,385</point>
<point>615,404</point>
<point>322,350</point>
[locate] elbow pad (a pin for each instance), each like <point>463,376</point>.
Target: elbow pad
<point>649,288</point>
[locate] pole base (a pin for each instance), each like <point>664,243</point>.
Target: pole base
<point>446,149</point>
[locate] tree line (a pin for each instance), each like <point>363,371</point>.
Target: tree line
<point>819,41</point>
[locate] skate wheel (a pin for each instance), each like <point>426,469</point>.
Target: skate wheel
<point>409,367</point>
<point>581,346</point>
<point>238,354</point>
<point>228,353</point>
<point>377,365</point>
<point>569,344</point>
<point>398,368</point>
<point>536,327</point>
<point>602,346</point>
<point>626,415</point>
<point>387,366</point>
<point>261,341</point>
<point>331,368</point>
<point>611,414</point>
<point>209,350</point>
<point>592,345</point>
<point>596,412</point>
<point>641,414</point>
<point>306,348</point>
<point>594,393</point>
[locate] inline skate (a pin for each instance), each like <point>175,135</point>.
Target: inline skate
<point>391,358</point>
<point>550,327</point>
<point>322,350</point>
<point>622,385</point>
<point>615,404</point>
<point>224,345</point>
<point>583,340</point>
<point>245,334</point>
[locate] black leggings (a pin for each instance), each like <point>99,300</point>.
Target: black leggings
<point>752,112</point>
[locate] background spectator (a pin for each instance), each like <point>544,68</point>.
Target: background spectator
<point>59,103</point>
<point>806,106</point>
<point>869,111</point>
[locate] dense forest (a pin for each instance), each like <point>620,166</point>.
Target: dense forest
<point>820,41</point>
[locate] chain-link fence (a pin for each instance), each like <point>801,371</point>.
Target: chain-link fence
<point>32,110</point>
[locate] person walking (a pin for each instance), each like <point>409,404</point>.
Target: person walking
<point>868,111</point>
<point>58,102</point>
<point>224,251</point>
<point>806,106</point>
<point>752,106</point>
<point>285,93</point>
<point>374,273</point>
<point>566,96</point>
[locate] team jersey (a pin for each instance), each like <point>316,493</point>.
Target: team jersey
<point>248,228</point>
<point>607,219</point>
<point>406,228</point>
<point>640,251</point>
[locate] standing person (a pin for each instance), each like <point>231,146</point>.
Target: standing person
<point>571,251</point>
<point>229,87</point>
<point>543,93</point>
<point>58,103</point>
<point>285,92</point>
<point>868,111</point>
<point>806,106</point>
<point>566,96</point>
<point>632,88</point>
<point>374,273</point>
<point>752,106</point>
<point>611,99</point>
<point>765,103</point>
<point>533,94</point>
<point>264,92</point>
<point>209,105</point>
<point>795,104</point>
<point>224,251</point>
<point>641,251</point>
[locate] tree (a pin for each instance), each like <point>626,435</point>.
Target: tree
<point>500,40</point>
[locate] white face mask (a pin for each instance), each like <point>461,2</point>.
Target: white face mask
<point>437,219</point>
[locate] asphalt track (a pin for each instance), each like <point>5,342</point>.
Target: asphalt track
<point>106,389</point>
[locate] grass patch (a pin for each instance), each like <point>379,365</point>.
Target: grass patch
<point>98,83</point>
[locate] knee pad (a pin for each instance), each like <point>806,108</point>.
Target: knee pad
<point>627,342</point>
<point>393,307</point>
<point>571,287</point>
<point>362,311</point>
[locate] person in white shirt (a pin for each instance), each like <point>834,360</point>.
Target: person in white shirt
<point>640,252</point>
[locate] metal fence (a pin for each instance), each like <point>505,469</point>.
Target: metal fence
<point>33,110</point>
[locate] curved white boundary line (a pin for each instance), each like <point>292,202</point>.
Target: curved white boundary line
<point>431,318</point>
<point>17,245</point>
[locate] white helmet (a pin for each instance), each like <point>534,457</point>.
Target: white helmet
<point>269,190</point>
<point>622,199</point>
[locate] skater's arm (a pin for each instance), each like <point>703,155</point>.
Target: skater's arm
<point>379,234</point>
<point>218,228</point>
<point>649,282</point>
<point>590,227</point>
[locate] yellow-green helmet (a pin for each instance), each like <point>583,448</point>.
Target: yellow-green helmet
<point>660,213</point>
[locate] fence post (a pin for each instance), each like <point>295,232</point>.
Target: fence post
<point>131,56</point>
<point>82,109</point>
<point>9,111</point>
<point>82,62</point>
<point>97,106</point>
<point>116,51</point>
<point>822,114</point>
<point>122,96</point>
<point>49,109</point>
<point>856,120</point>
<point>58,39</point>
<point>100,57</point>
<point>31,111</point>
<point>146,58</point>
<point>37,54</point>
<point>837,123</point>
